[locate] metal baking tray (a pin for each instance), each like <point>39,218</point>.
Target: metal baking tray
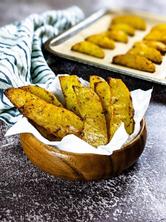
<point>99,22</point>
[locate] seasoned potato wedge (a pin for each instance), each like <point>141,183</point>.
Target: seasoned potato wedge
<point>102,41</point>
<point>117,35</point>
<point>156,35</point>
<point>91,111</point>
<point>56,120</point>
<point>156,45</point>
<point>103,91</point>
<point>160,27</point>
<point>88,101</point>
<point>143,50</point>
<point>67,83</point>
<point>121,105</point>
<point>129,30</point>
<point>132,20</point>
<point>44,132</point>
<point>135,62</point>
<point>43,94</point>
<point>88,48</point>
<point>95,79</point>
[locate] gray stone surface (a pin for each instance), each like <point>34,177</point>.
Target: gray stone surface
<point>27,194</point>
<point>139,194</point>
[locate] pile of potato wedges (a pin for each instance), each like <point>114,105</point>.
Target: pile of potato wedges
<point>146,53</point>
<point>118,31</point>
<point>92,113</point>
<point>143,56</point>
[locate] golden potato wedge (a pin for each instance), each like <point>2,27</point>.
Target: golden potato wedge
<point>135,62</point>
<point>95,79</point>
<point>43,94</point>
<point>102,41</point>
<point>156,45</point>
<point>103,91</point>
<point>67,83</point>
<point>88,48</point>
<point>48,97</point>
<point>156,35</point>
<point>143,50</point>
<point>132,20</point>
<point>121,105</point>
<point>87,99</point>
<point>56,120</point>
<point>159,27</point>
<point>117,35</point>
<point>44,132</point>
<point>129,30</point>
<point>91,111</point>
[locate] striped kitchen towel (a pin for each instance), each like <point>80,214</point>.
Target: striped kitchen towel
<point>21,58</point>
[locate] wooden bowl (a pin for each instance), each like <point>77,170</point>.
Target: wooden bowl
<point>76,166</point>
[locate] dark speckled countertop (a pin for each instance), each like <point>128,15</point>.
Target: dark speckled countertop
<point>137,195</point>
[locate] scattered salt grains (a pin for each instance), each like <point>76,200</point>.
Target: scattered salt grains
<point>117,212</point>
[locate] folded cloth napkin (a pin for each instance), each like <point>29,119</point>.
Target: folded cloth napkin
<point>21,58</point>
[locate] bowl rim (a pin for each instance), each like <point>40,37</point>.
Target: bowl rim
<point>124,147</point>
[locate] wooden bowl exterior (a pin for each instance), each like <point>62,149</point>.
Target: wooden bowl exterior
<point>76,166</point>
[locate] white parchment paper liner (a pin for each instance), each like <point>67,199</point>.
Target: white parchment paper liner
<point>73,143</point>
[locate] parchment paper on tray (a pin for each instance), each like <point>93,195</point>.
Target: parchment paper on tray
<point>73,143</point>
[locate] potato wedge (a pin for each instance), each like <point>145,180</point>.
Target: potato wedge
<point>44,132</point>
<point>135,62</point>
<point>143,50</point>
<point>156,35</point>
<point>159,27</point>
<point>67,83</point>
<point>132,20</point>
<point>121,105</point>
<point>156,45</point>
<point>56,120</point>
<point>43,94</point>
<point>129,30</point>
<point>94,80</point>
<point>102,41</point>
<point>48,97</point>
<point>117,35</point>
<point>102,89</point>
<point>91,111</point>
<point>89,49</point>
<point>87,99</point>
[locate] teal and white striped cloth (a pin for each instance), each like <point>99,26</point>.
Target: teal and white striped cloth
<point>21,58</point>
